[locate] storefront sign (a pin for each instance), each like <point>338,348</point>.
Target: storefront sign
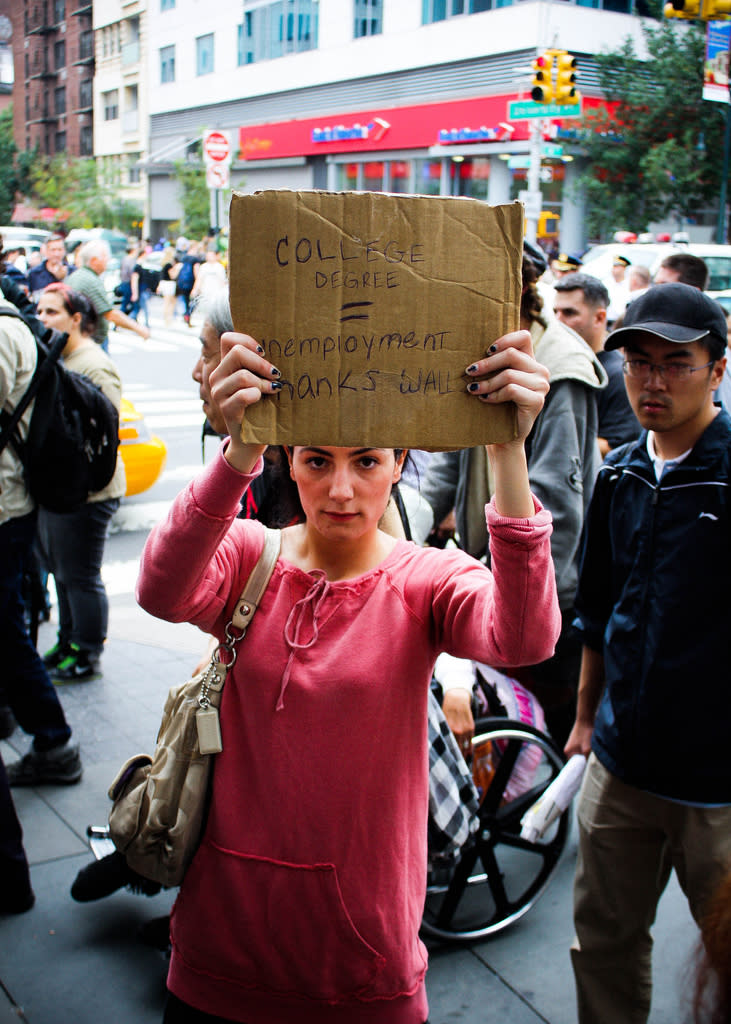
<point>501,133</point>
<point>715,68</point>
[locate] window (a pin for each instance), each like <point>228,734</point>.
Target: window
<point>134,175</point>
<point>273,29</point>
<point>167,5</point>
<point>59,12</point>
<point>368,18</point>
<point>167,64</point>
<point>244,54</point>
<point>110,102</point>
<point>85,94</point>
<point>86,141</point>
<point>59,54</point>
<point>204,55</point>
<point>60,142</point>
<point>59,100</point>
<point>440,10</point>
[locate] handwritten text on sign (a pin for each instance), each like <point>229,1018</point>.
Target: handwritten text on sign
<point>371,306</point>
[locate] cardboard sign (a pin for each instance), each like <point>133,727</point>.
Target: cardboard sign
<point>372,306</point>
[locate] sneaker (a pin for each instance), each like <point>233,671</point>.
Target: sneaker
<point>60,650</point>
<point>103,877</point>
<point>17,902</point>
<point>59,765</point>
<point>77,667</point>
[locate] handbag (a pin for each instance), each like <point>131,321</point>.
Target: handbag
<point>159,803</point>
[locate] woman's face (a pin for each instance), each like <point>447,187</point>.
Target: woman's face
<point>52,312</point>
<point>206,363</point>
<point>344,491</point>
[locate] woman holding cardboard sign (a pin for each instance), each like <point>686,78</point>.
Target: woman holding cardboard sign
<point>304,899</point>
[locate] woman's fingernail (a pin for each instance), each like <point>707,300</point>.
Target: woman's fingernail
<point>260,350</point>
<point>492,349</point>
<point>275,372</point>
<point>276,385</point>
<point>471,369</point>
<point>473,386</point>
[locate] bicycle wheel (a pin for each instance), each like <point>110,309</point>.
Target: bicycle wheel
<point>498,876</point>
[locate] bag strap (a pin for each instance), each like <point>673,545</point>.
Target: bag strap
<point>215,675</point>
<point>257,582</point>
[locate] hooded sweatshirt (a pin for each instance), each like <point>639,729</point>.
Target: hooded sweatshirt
<point>304,899</point>
<point>563,457</point>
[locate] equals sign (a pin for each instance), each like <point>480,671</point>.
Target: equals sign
<point>346,308</point>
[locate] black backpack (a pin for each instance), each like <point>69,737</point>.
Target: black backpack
<point>71,448</point>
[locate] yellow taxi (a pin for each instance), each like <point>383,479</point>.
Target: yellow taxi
<point>143,454</point>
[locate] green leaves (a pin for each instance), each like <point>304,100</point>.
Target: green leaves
<point>658,151</point>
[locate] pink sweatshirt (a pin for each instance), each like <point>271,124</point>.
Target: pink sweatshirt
<point>305,898</point>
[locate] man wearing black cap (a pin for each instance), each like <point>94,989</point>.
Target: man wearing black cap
<point>653,704</point>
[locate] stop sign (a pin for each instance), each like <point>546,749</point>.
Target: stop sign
<point>216,146</point>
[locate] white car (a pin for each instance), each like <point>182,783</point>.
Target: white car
<point>598,260</point>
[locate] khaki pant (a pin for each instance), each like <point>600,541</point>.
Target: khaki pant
<point>629,842</point>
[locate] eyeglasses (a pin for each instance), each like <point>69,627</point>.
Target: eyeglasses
<point>641,369</point>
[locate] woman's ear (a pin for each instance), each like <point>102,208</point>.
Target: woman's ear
<point>289,452</point>
<point>398,468</point>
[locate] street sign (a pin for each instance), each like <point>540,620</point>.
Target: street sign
<point>527,110</point>
<point>551,151</point>
<point>216,147</point>
<point>218,176</point>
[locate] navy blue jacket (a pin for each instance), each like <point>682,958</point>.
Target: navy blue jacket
<point>654,597</point>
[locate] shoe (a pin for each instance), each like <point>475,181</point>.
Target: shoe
<point>103,877</point>
<point>77,667</point>
<point>17,903</point>
<point>7,723</point>
<point>156,933</point>
<point>60,650</point>
<point>59,765</point>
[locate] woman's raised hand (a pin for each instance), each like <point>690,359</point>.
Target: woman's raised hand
<point>242,378</point>
<point>515,376</point>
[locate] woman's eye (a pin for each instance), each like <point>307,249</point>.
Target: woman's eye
<point>368,461</point>
<point>316,462</point>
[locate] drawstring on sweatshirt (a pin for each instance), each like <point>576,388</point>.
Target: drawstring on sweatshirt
<point>296,622</point>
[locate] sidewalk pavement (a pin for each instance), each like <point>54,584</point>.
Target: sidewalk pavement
<point>70,963</point>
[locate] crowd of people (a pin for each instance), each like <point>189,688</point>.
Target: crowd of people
<point>577,558</point>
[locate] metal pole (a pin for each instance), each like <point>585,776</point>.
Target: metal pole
<point>721,224</point>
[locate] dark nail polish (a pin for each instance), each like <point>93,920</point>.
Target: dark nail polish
<point>472,369</point>
<point>275,372</point>
<point>260,350</point>
<point>492,349</point>
<point>473,386</point>
<point>276,385</point>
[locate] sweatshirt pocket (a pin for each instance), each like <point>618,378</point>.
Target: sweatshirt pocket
<point>271,925</point>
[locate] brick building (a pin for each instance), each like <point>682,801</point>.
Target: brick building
<point>53,51</point>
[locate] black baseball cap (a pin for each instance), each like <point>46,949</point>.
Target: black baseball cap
<point>675,312</point>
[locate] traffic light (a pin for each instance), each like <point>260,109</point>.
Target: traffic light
<point>565,78</point>
<point>683,9</point>
<point>716,10</point>
<point>542,91</point>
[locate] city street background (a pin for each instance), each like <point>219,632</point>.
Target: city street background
<point>68,963</point>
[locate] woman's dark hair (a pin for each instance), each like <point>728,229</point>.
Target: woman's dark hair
<point>531,303</point>
<point>74,302</point>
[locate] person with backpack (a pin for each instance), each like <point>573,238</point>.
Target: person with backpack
<point>72,543</point>
<point>186,275</point>
<point>25,686</point>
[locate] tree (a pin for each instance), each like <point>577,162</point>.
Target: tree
<point>195,197</point>
<point>656,149</point>
<point>72,186</point>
